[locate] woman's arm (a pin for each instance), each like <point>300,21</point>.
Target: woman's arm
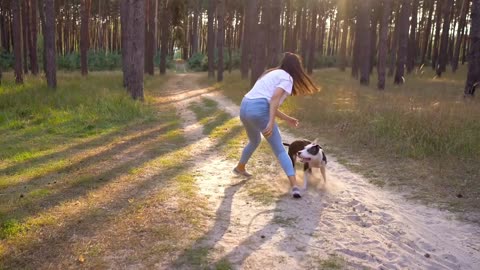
<point>274,104</point>
<point>282,115</point>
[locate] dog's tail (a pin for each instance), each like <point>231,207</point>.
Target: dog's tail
<point>286,144</point>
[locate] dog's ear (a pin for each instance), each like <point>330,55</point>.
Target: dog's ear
<point>315,141</point>
<point>314,149</point>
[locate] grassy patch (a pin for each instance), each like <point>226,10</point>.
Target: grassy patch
<point>261,192</point>
<point>334,262</point>
<point>90,172</point>
<point>220,126</point>
<point>208,115</point>
<point>424,127</point>
<point>10,227</point>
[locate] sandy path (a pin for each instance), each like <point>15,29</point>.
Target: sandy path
<point>367,226</point>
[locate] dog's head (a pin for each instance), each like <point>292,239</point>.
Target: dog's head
<point>312,152</point>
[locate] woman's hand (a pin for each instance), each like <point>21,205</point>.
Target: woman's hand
<point>293,122</point>
<point>267,132</point>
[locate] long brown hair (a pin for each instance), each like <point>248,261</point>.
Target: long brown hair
<point>302,83</point>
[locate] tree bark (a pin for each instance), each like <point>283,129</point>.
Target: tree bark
<point>343,45</point>
<point>274,32</point>
<point>356,43</point>
<point>473,76</point>
<point>406,10</point>
<point>124,19</point>
<point>259,57</point>
<point>85,37</point>
<point>149,36</point>
<point>312,36</point>
<point>41,12</point>
<point>248,31</point>
<point>438,24</point>
<point>50,61</point>
<point>220,38</point>
<point>382,43</point>
<point>394,44</point>
<point>303,36</point>
<point>412,43</point>
<point>211,39</point>
<point>375,17</point>
<point>443,53</point>
<point>198,7</point>
<point>136,55</point>
<point>296,29</point>
<point>165,37</point>
<point>364,41</point>
<point>25,34</point>
<point>288,25</point>
<point>17,41</point>
<point>427,30</point>
<point>461,28</point>
<point>33,34</point>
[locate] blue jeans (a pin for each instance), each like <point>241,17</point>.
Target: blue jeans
<point>254,114</point>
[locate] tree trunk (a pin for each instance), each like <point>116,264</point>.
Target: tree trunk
<point>438,24</point>
<point>50,62</point>
<point>364,41</point>
<point>288,25</point>
<point>136,55</point>
<point>312,36</point>
<point>394,44</point>
<point>412,43</point>
<point>259,57</point>
<point>84,39</point>
<point>274,33</point>
<point>198,7</point>
<point>25,34</point>
<point>473,76</point>
<point>155,33</point>
<point>356,51</point>
<point>461,28</point>
<point>427,30</point>
<point>211,38</point>
<point>382,43</point>
<point>165,37</point>
<point>402,42</point>
<point>343,45</point>
<point>17,41</point>
<point>220,38</point>
<point>248,32</point>
<point>41,12</point>
<point>464,49</point>
<point>303,36</point>
<point>33,35</point>
<point>149,36</point>
<point>375,17</point>
<point>329,40</point>
<point>296,29</point>
<point>124,14</point>
<point>443,54</point>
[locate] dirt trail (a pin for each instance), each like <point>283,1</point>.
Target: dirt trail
<point>346,218</point>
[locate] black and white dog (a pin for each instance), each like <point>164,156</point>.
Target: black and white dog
<point>310,154</point>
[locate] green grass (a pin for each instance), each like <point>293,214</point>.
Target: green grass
<point>334,262</point>
<point>44,131</point>
<point>118,179</point>
<point>208,115</point>
<point>421,130</point>
<point>34,118</point>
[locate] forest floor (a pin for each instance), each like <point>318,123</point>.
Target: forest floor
<point>162,195</point>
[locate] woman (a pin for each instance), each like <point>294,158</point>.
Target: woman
<point>260,107</point>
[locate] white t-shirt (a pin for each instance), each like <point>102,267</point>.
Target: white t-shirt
<point>266,85</point>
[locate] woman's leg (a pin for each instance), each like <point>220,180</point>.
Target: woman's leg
<point>275,141</point>
<point>254,139</point>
